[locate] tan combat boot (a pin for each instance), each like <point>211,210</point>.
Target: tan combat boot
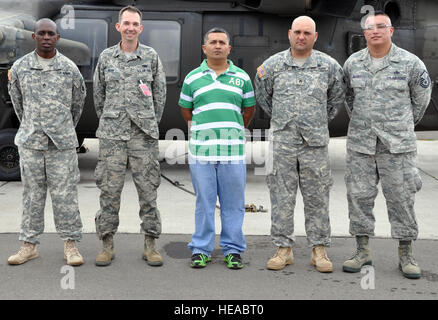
<point>407,264</point>
<point>71,253</point>
<point>150,254</point>
<point>106,255</point>
<point>281,259</point>
<point>27,252</point>
<point>362,256</point>
<point>320,260</point>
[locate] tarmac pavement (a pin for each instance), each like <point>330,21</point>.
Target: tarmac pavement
<point>130,278</point>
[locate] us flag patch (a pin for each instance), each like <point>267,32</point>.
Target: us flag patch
<point>261,71</point>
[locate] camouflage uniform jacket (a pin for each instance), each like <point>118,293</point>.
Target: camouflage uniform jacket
<point>118,98</point>
<point>387,103</point>
<point>300,100</point>
<point>48,102</point>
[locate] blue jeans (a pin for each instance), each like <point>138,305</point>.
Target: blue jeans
<point>226,180</point>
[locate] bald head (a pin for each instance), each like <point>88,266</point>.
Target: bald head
<point>304,21</point>
<point>45,22</point>
<point>302,36</point>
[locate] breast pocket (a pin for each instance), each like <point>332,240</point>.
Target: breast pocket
<point>359,86</point>
<point>63,81</point>
<point>145,80</point>
<point>394,87</point>
<point>112,81</point>
<point>29,85</point>
<point>285,83</point>
<point>358,83</point>
<point>110,120</point>
<point>319,85</point>
<point>144,73</point>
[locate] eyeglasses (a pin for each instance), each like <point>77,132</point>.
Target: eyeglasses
<point>379,26</point>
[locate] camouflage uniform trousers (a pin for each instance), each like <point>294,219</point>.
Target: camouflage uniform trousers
<point>141,154</point>
<point>58,171</point>
<point>400,180</point>
<point>308,167</point>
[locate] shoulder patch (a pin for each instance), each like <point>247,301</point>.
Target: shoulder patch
<point>261,72</point>
<point>424,79</point>
<point>9,75</point>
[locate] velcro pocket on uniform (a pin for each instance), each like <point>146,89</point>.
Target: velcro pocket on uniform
<point>411,177</point>
<point>398,126</point>
<point>320,85</point>
<point>145,115</point>
<point>358,83</point>
<point>146,76</point>
<point>99,171</point>
<point>111,114</point>
<point>112,79</point>
<point>356,123</point>
<point>271,176</point>
<point>398,85</point>
<point>111,75</point>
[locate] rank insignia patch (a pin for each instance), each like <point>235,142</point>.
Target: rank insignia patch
<point>424,79</point>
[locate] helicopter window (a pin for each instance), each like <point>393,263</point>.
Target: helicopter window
<point>165,38</point>
<point>91,32</point>
<point>356,42</point>
<point>392,9</point>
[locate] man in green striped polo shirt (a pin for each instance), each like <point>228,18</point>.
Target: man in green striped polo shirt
<point>217,100</point>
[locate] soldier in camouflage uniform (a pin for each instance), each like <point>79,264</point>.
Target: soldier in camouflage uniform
<point>129,97</point>
<point>302,90</point>
<point>388,92</point>
<point>48,93</point>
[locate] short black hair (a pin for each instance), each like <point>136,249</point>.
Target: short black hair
<point>216,30</point>
<point>381,13</point>
<point>378,13</point>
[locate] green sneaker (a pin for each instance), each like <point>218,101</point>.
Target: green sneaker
<point>199,260</point>
<point>234,261</point>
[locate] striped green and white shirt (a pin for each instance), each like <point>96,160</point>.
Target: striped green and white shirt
<point>217,130</point>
